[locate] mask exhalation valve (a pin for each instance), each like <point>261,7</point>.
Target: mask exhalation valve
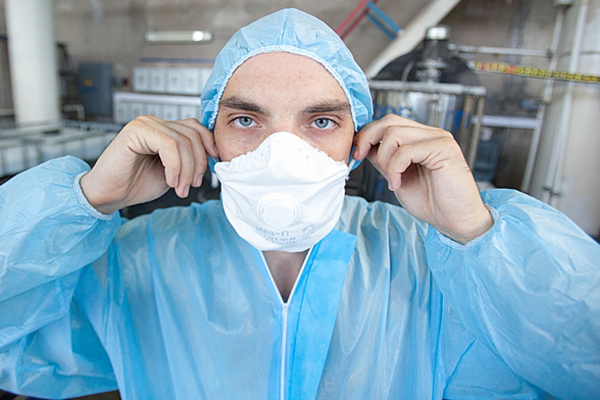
<point>278,210</point>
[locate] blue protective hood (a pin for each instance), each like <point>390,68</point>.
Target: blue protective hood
<point>296,32</point>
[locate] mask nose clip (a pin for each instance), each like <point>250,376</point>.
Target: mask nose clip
<point>278,210</point>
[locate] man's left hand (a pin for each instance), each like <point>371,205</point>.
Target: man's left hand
<point>425,168</point>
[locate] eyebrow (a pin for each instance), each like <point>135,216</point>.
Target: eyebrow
<point>238,103</point>
<point>327,107</point>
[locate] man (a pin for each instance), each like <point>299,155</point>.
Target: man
<point>270,293</point>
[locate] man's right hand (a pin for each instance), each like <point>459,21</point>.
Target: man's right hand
<point>148,157</point>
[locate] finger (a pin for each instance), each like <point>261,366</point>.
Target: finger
<point>183,148</point>
<point>402,129</point>
<point>394,137</point>
<point>197,148</point>
<point>370,135</point>
<point>390,143</point>
<point>432,154</point>
<point>207,137</point>
<point>188,166</point>
<point>166,148</point>
<point>372,157</point>
<point>373,133</point>
<point>399,163</point>
<point>394,119</point>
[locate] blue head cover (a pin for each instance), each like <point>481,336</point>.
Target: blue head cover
<point>296,32</point>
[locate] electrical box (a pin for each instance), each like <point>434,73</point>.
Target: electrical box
<point>95,82</point>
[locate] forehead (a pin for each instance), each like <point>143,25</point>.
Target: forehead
<point>284,75</point>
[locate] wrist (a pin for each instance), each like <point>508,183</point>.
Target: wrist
<point>96,198</point>
<point>472,228</point>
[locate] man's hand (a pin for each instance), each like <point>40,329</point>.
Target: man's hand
<point>425,168</point>
<point>146,158</point>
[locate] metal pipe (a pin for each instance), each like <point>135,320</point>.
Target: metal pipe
<point>501,121</point>
<point>464,124</point>
<point>383,17</point>
<point>502,51</point>
<point>583,53</point>
<point>425,87</point>
<point>561,142</point>
<point>476,134</point>
<point>546,99</point>
<point>355,23</point>
<point>360,7</point>
<point>389,33</point>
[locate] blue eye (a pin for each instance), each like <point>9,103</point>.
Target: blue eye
<point>244,122</point>
<point>323,123</point>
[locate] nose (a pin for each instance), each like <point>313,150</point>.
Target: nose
<point>287,129</point>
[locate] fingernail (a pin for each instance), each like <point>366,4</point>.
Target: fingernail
<point>215,150</point>
<point>390,186</point>
<point>198,181</point>
<point>186,191</point>
<point>355,153</point>
<point>176,181</point>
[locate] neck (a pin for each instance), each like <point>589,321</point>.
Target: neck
<point>285,268</point>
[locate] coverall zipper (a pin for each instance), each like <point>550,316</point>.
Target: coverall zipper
<point>283,351</point>
<point>284,314</point>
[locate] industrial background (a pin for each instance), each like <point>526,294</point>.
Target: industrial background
<point>73,72</point>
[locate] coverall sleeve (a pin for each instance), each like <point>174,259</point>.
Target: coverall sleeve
<point>529,289</point>
<point>48,233</point>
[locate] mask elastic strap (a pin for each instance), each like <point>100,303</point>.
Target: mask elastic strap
<point>353,163</point>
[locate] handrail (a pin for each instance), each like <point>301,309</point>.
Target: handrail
<point>367,8</point>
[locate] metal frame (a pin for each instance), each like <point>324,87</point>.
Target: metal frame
<point>470,126</point>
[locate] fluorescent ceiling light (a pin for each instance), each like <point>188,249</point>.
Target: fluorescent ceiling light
<point>179,37</point>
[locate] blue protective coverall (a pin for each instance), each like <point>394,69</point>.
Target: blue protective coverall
<point>175,305</point>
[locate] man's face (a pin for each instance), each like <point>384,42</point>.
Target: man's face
<point>276,92</point>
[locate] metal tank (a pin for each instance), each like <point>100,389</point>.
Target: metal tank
<point>433,86</point>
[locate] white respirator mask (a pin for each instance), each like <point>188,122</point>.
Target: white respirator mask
<point>286,195</point>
